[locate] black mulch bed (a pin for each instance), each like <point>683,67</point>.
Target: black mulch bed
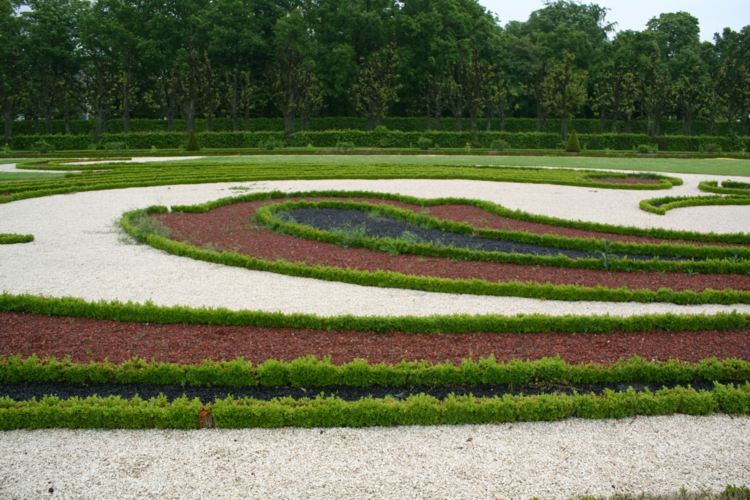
<point>364,223</point>
<point>28,391</point>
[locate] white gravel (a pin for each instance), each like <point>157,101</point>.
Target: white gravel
<point>659,455</point>
<point>80,251</point>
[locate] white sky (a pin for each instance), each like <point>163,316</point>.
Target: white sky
<point>713,15</point>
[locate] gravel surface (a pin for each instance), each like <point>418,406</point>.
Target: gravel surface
<point>550,460</point>
<point>77,235</point>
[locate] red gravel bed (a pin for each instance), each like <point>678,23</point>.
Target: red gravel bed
<point>230,228</point>
<point>96,340</point>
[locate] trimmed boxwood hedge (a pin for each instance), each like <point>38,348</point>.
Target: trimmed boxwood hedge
<point>376,139</point>
<point>455,324</point>
<point>10,238</point>
<point>182,413</point>
<point>318,373</point>
<point>661,206</point>
<point>407,124</point>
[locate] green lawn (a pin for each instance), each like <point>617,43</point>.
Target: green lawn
<point>716,166</point>
<point>22,176</point>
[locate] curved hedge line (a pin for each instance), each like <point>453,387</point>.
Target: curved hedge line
<point>718,259</point>
<point>727,187</point>
<point>10,238</point>
<point>666,234</point>
<point>136,413</point>
<point>661,206</point>
<point>455,324</point>
<point>138,225</point>
<point>382,139</point>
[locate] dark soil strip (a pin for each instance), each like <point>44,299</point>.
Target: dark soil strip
<point>229,228</point>
<point>98,340</point>
<point>27,391</point>
<point>351,220</point>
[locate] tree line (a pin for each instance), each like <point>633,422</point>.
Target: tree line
<point>240,59</point>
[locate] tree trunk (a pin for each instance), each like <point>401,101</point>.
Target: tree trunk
<point>234,104</point>
<point>602,121</point>
<point>126,103</point>
<point>8,119</point>
<point>564,127</point>
<point>98,125</point>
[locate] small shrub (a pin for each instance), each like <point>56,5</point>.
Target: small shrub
<point>424,143</point>
<point>499,145</point>
<point>381,129</point>
<point>573,146</point>
<point>711,147</point>
<point>42,146</point>
<point>117,145</point>
<point>192,144</point>
<point>344,145</point>
<point>646,148</point>
<point>272,143</point>
<point>735,143</point>
<point>154,148</point>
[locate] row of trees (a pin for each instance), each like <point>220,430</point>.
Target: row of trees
<point>63,59</point>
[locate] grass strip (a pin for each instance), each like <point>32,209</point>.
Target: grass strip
<point>313,372</point>
<point>114,176</point>
<point>138,224</point>
<point>533,323</point>
<point>660,206</point>
<point>136,413</point>
<point>10,238</point>
<point>718,260</point>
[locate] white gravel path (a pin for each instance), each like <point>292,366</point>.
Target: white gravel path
<point>80,251</point>
<point>658,455</point>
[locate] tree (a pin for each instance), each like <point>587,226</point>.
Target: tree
<point>377,85</point>
<point>564,90</point>
<point>12,69</point>
<point>295,85</point>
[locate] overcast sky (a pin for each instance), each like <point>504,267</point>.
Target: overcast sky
<point>713,15</point>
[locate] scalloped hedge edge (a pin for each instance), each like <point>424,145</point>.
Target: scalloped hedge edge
<point>182,413</point>
<point>148,312</point>
<point>727,187</point>
<point>312,372</point>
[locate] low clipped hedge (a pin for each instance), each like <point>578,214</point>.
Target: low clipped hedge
<point>723,260</point>
<point>312,372</point>
<point>137,225</point>
<point>383,138</point>
<point>726,187</point>
<point>182,413</point>
<point>661,206</point>
<point>456,324</point>
<point>10,238</point>
<point>407,124</point>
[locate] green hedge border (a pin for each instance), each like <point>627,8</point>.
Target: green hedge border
<point>114,412</point>
<point>727,187</point>
<point>720,260</point>
<point>10,238</point>
<point>318,373</point>
<point>455,324</point>
<point>660,206</point>
<point>666,234</point>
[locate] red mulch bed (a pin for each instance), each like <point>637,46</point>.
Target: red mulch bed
<point>96,340</point>
<point>230,228</point>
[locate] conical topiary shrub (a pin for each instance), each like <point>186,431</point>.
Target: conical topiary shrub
<point>573,145</point>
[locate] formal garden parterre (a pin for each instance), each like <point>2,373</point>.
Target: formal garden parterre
<point>65,360</point>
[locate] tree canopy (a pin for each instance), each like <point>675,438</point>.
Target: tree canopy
<point>240,59</point>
